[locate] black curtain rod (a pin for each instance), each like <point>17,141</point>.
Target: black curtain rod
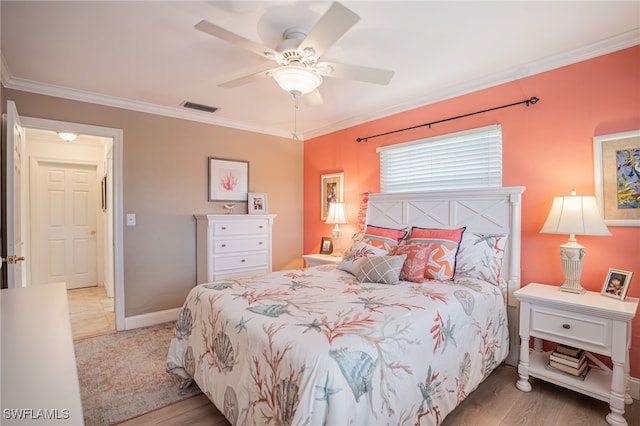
<point>528,102</point>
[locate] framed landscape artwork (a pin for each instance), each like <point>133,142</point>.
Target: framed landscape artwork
<point>228,180</point>
<point>617,177</point>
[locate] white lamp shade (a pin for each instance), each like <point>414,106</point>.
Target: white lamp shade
<point>575,214</point>
<point>297,80</point>
<point>336,214</point>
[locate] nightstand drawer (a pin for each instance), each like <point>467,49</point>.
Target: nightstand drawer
<point>590,332</point>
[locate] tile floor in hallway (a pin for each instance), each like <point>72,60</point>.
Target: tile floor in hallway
<point>91,312</point>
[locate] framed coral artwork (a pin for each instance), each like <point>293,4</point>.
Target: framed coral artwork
<point>228,180</point>
<point>617,177</point>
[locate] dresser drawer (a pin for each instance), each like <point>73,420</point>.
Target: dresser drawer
<point>245,261</point>
<point>246,227</point>
<point>222,245</point>
<point>578,330</point>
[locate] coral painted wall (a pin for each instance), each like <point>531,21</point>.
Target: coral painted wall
<point>547,147</point>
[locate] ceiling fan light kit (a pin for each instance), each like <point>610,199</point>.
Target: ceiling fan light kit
<point>297,80</point>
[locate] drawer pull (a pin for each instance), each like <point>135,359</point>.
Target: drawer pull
<point>242,261</point>
<point>260,226</point>
<point>260,243</point>
<point>566,326</point>
<point>224,228</point>
<point>224,245</point>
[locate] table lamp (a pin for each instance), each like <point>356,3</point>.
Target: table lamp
<point>338,217</point>
<point>574,215</point>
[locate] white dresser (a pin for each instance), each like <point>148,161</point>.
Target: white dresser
<point>232,244</point>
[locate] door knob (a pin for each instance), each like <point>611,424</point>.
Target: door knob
<point>12,259</point>
<point>92,232</point>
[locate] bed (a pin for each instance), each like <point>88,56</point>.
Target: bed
<point>322,345</point>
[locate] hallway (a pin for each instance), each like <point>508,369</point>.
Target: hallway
<point>91,312</point>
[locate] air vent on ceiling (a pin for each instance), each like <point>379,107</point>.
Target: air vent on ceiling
<point>199,107</point>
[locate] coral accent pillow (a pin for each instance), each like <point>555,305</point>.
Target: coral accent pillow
<point>480,256</point>
<point>385,238</point>
<point>415,263</point>
<point>443,245</point>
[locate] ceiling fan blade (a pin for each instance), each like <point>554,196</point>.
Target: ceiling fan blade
<point>354,72</point>
<point>250,78</point>
<point>246,44</point>
<point>331,26</point>
<point>312,99</point>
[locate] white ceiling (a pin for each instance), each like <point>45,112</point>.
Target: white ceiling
<point>148,56</point>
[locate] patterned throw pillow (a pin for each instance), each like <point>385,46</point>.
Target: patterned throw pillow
<point>480,256</point>
<point>381,269</point>
<point>385,238</point>
<point>416,262</point>
<point>443,247</point>
<point>354,257</point>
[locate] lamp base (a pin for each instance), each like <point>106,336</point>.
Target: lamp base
<point>336,236</point>
<point>572,288</point>
<point>572,255</point>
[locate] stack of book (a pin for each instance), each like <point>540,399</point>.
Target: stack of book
<point>572,361</point>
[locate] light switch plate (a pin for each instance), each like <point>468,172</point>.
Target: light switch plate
<point>131,219</point>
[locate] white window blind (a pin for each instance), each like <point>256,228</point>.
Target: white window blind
<point>469,159</point>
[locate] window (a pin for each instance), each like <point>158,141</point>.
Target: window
<point>469,159</point>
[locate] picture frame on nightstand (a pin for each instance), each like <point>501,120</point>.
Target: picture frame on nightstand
<point>616,284</point>
<point>326,245</point>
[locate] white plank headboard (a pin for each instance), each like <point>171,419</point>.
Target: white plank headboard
<point>494,210</point>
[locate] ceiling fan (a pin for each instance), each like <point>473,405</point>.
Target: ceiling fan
<point>299,69</point>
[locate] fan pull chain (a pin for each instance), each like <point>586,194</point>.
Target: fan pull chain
<point>295,118</point>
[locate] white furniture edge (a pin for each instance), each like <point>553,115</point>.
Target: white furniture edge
<point>39,381</point>
<point>315,259</point>
<point>493,210</point>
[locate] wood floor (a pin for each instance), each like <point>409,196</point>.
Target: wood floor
<point>495,402</point>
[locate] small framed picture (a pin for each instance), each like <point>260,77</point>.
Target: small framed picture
<point>257,203</point>
<point>326,245</point>
<point>617,283</point>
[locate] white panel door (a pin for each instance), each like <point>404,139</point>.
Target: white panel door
<point>16,271</point>
<point>66,217</point>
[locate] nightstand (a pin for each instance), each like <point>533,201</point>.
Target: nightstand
<point>587,321</point>
<point>320,259</point>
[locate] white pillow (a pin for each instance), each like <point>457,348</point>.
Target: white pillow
<point>480,256</point>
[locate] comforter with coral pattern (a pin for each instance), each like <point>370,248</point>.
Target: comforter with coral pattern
<point>315,346</point>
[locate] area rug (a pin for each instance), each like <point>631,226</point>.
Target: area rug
<point>122,375</point>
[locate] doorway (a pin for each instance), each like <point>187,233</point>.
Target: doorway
<point>109,230</point>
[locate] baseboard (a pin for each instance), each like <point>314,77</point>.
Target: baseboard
<point>151,318</point>
<point>634,388</point>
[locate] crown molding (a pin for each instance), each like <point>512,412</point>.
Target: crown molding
<point>96,98</point>
<point>603,47</point>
